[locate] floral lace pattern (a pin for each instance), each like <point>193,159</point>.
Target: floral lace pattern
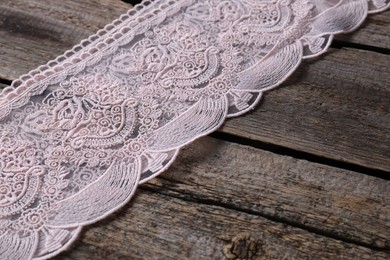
<point>79,134</point>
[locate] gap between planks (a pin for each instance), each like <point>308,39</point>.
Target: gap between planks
<point>339,44</point>
<point>281,150</point>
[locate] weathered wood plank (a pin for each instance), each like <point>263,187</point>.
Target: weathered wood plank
<point>336,107</point>
<point>32,32</point>
<point>161,227</point>
<point>340,203</point>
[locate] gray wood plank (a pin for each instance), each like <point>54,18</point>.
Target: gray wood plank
<point>324,199</point>
<point>161,227</point>
<point>32,32</point>
<point>336,107</point>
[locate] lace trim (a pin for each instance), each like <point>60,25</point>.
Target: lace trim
<point>79,134</point>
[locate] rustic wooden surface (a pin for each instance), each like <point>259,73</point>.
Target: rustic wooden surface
<point>303,176</point>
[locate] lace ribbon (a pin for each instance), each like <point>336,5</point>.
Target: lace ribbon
<point>78,135</point>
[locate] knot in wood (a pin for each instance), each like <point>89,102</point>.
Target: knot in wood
<point>242,246</point>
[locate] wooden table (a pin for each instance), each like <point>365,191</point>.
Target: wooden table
<point>303,176</point>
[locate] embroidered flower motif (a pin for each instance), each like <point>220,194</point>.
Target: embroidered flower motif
<point>35,218</point>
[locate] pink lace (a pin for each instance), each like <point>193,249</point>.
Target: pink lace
<point>78,135</point>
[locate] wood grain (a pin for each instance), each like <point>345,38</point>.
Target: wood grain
<point>32,32</point>
<point>162,227</point>
<point>320,198</point>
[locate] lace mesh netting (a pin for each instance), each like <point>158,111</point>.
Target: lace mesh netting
<point>78,135</point>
